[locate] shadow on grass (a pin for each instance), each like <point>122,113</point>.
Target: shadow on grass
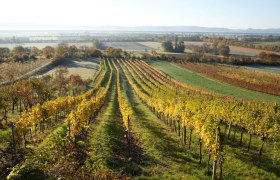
<point>165,143</point>
<point>265,162</point>
<point>116,156</point>
<point>74,63</point>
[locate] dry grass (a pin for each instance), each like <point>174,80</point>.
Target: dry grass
<point>129,46</point>
<point>154,45</point>
<point>196,43</point>
<point>248,51</point>
<point>86,68</point>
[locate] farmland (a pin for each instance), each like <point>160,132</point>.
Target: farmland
<point>119,129</point>
<point>138,46</point>
<point>209,84</point>
<point>129,46</point>
<point>236,50</point>
<point>154,45</point>
<point>140,90</point>
<point>247,51</point>
<point>102,115</point>
<point>262,68</point>
<point>249,79</point>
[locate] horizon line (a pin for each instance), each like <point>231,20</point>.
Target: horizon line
<point>126,26</point>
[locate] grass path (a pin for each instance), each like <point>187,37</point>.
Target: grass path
<point>108,150</point>
<point>163,155</point>
<point>202,82</point>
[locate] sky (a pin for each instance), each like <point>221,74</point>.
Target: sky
<point>235,14</point>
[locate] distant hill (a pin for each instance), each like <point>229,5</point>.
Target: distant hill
<point>186,29</point>
<point>198,29</point>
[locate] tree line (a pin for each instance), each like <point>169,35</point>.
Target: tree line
<point>215,48</point>
<point>21,54</point>
<point>169,46</point>
<point>236,42</point>
<point>256,39</point>
<point>61,51</point>
<point>262,59</point>
<point>23,94</point>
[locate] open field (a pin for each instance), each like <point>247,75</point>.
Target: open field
<point>197,43</point>
<point>129,46</point>
<point>154,45</point>
<point>86,68</point>
<point>237,49</point>
<point>268,43</point>
<point>233,49</point>
<point>157,46</point>
<point>206,83</point>
<point>248,51</point>
<point>138,46</point>
<point>263,68</point>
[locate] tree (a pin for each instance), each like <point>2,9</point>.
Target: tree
<point>114,53</point>
<point>126,55</point>
<point>224,50</point>
<point>167,46</point>
<point>18,50</point>
<point>176,43</point>
<point>20,53</point>
<point>11,73</point>
<point>72,50</point>
<point>76,83</point>
<point>4,102</point>
<point>269,58</point>
<point>13,92</point>
<point>154,53</point>
<point>97,44</point>
<point>91,52</point>
<point>34,51</point>
<point>61,51</point>
<point>4,52</point>
<point>48,52</point>
<point>26,93</point>
<point>180,48</point>
<point>42,89</point>
<point>61,79</point>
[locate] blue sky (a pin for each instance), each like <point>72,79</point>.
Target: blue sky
<point>210,13</point>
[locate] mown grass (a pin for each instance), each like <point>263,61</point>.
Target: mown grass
<point>162,154</point>
<point>202,82</point>
<point>108,152</point>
